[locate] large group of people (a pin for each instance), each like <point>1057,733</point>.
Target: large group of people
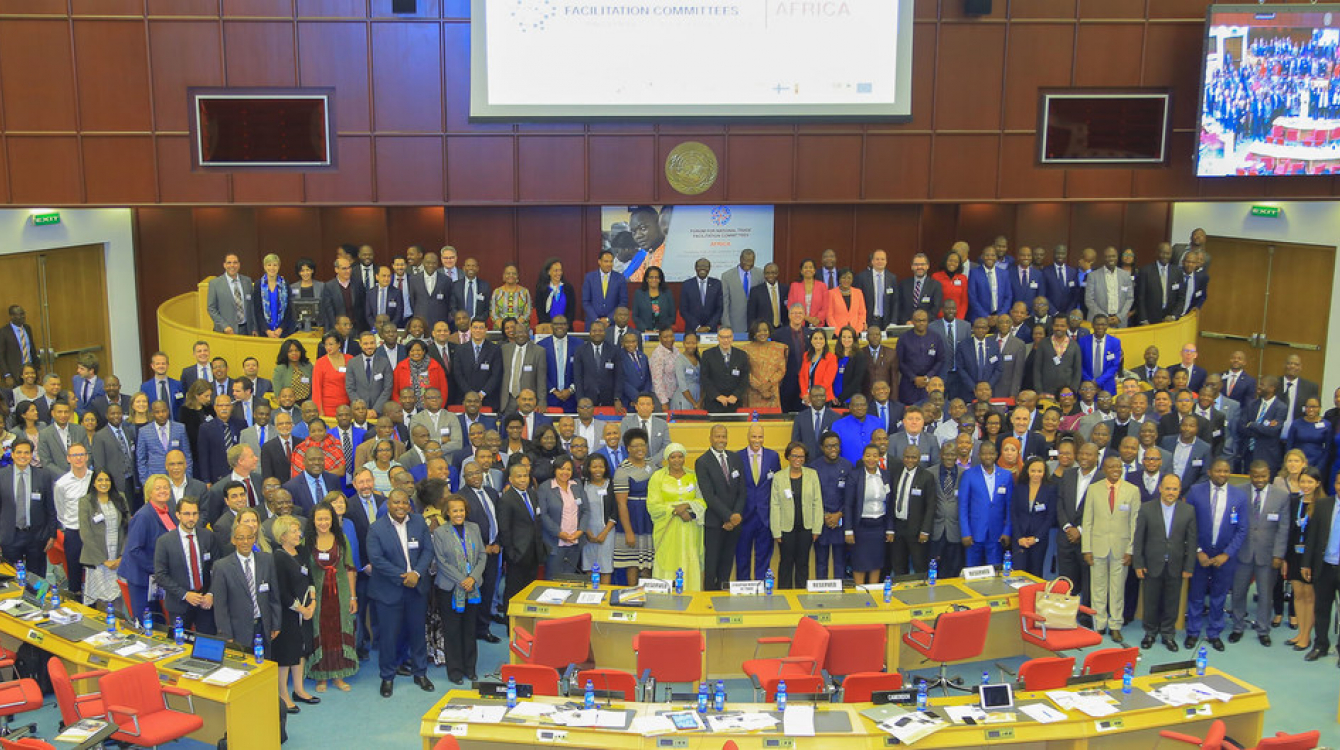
<point>1284,73</point>
<point>347,503</point>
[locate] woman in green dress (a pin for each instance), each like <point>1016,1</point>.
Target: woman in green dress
<point>334,575</point>
<point>676,506</point>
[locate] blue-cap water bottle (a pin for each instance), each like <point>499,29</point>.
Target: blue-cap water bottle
<point>679,581</point>
<point>1007,567</point>
<point>147,621</point>
<point>888,589</point>
<point>55,599</point>
<point>921,695</point>
<point>178,631</point>
<point>719,699</point>
<point>702,697</point>
<point>933,572</point>
<point>1202,660</point>
<point>781,695</point>
<point>258,648</point>
<point>590,701</point>
<point>511,692</point>
<point>595,575</point>
<point>111,618</point>
<point>767,582</point>
<point>986,677</point>
<point>21,572</point>
<point>1126,676</point>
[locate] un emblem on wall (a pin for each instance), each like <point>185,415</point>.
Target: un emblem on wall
<point>691,168</point>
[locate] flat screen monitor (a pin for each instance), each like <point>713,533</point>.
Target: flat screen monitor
<point>1270,95</point>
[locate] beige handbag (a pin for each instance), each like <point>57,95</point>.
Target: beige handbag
<point>1058,609</point>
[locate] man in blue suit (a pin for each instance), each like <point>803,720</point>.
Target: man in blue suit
<point>562,392</point>
<point>978,360</point>
<point>1100,356</point>
<point>1025,280</point>
<point>596,370</point>
<point>985,493</point>
<point>1262,422</point>
<point>86,385</point>
<point>603,290</point>
<point>161,387</point>
<point>311,486</point>
<point>400,551</point>
<point>471,293</point>
<point>634,372</point>
<point>1060,283</point>
<point>1238,385</point>
<point>385,299</point>
<point>756,534</point>
<point>156,439</point>
<point>983,299</point>
<point>700,299</point>
<point>1221,529</point>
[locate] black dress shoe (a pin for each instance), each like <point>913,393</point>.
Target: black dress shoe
<point>473,677</point>
<point>1117,637</point>
<point>292,709</point>
<point>403,670</point>
<point>364,655</point>
<point>1101,631</point>
<point>1170,643</point>
<point>1234,637</point>
<point>1216,644</point>
<point>424,683</point>
<point>310,700</point>
<point>1314,654</point>
<point>498,619</point>
<point>387,687</point>
<point>1147,641</point>
<point>490,638</point>
<point>457,680</point>
<point>1264,639</point>
<point>1297,647</point>
<point>1190,641</point>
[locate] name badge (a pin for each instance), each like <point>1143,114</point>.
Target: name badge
<point>1319,426</point>
<point>177,396</point>
<point>1123,508</point>
<point>1009,357</point>
<point>34,496</point>
<point>485,366</point>
<point>688,487</point>
<point>958,282</point>
<point>1111,356</point>
<point>1199,292</point>
<point>916,492</point>
<point>688,370</point>
<point>444,431</point>
<point>735,473</point>
<point>1032,285</point>
<point>296,292</point>
<point>770,476</point>
<point>1000,490</point>
<point>206,557</point>
<point>1125,289</point>
<point>926,458</point>
<point>1039,507</point>
<point>1056,360</point>
<point>610,366</point>
<point>993,359</point>
<point>479,296</point>
<point>735,372</point>
<point>174,443</point>
<point>926,300</point>
<point>601,493</point>
<point>842,484</point>
<point>1071,285</point>
<point>439,295</point>
<point>1272,517</point>
<point>378,376</point>
<point>527,368</point>
<point>840,369</point>
<point>1175,287</point>
<point>304,379</point>
<point>1216,433</point>
<point>414,544</point>
<point>99,518</point>
<point>1198,462</point>
<point>392,303</point>
<point>340,369</point>
<point>263,588</point>
<point>788,494</point>
<point>931,352</point>
<point>302,569</point>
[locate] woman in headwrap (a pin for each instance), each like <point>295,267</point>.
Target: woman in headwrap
<point>419,372</point>
<point>676,506</point>
<point>1011,455</point>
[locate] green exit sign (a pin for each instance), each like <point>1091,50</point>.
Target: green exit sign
<point>1271,212</point>
<point>43,219</point>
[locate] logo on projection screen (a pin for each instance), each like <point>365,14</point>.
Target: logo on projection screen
<point>531,15</point>
<point>721,215</point>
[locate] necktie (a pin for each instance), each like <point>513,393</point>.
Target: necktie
<point>23,344</point>
<point>318,489</point>
<point>367,368</point>
<point>398,282</point>
<point>381,300</point>
<point>288,452</point>
<point>237,301</point>
<point>818,423</point>
<point>493,523</point>
<point>776,310</point>
<point>1190,294</point>
<point>878,290</point>
<point>525,499</point>
<point>125,447</point>
<point>1023,278</point>
<point>251,492</point>
<point>347,442</point>
<point>163,393</point>
<point>702,288</point>
<point>721,456</point>
<point>196,582</point>
<point>1097,355</point>
<point>518,354</point>
<point>832,278</point>
<point>370,506</point>
<point>604,285</point>
<point>754,461</point>
<point>1112,498</point>
<point>470,301</point>
<point>561,362</point>
<point>23,499</point>
<point>981,357</point>
<point>644,427</point>
<point>901,510</point>
<point>1232,381</point>
<point>367,277</point>
<point>916,293</point>
<point>229,439</point>
<point>88,388</point>
<point>1256,504</point>
<point>884,416</point>
<point>946,481</point>
<point>949,326</point>
<point>64,437</point>
<point>163,436</point>
<point>246,412</point>
<point>251,587</point>
<point>1163,286</point>
<point>1214,514</point>
<point>598,353</point>
<point>746,283</point>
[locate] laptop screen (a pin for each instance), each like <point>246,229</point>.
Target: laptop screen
<point>35,592</point>
<point>208,649</point>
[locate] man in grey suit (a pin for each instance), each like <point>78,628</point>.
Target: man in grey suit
<point>1109,291</point>
<point>1191,456</point>
<point>1262,554</point>
<point>182,562</point>
<point>1012,358</point>
<point>260,431</point>
<point>1163,555</point>
<point>525,367</point>
<point>114,452</point>
<point>658,432</point>
<point>369,377</point>
<point>56,438</point>
<point>442,425</point>
<point>430,292</point>
<point>735,286</point>
<point>344,295</point>
<point>229,299</point>
<point>246,594</point>
<point>913,434</point>
<point>1057,362</point>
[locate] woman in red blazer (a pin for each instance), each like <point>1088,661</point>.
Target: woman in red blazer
<point>818,367</point>
<point>954,282</point>
<point>810,292</point>
<point>846,304</point>
<point>420,372</point>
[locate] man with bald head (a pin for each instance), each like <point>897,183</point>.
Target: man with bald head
<point>1163,556</point>
<point>756,541</point>
<point>721,478</point>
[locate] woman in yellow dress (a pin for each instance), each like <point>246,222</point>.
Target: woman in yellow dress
<point>510,299</point>
<point>767,367</point>
<point>676,507</point>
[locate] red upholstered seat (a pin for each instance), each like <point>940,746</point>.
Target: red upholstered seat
<point>859,685</point>
<point>25,743</point>
<point>18,696</point>
<point>613,680</point>
<point>542,680</point>
<point>956,636</point>
<point>1046,672</point>
<point>137,703</point>
<point>856,649</point>
<point>73,706</point>
<point>447,742</point>
<point>1112,660</point>
<point>556,643</point>
<point>805,656</point>
<point>670,655</point>
<point>1034,631</point>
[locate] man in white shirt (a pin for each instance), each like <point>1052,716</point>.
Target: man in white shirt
<point>587,425</point>
<point>69,489</point>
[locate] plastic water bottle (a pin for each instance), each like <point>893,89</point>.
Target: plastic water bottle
<point>590,695</point>
<point>595,576</point>
<point>888,589</point>
<point>679,581</point>
<point>1202,659</point>
<point>258,648</point>
<point>1126,676</point>
<point>986,677</point>
<point>111,618</point>
<point>767,582</point>
<point>1008,566</point>
<point>702,697</point>
<point>55,599</point>
<point>753,416</point>
<point>719,699</point>
<point>781,696</point>
<point>511,692</point>
<point>1233,516</point>
<point>178,631</point>
<point>147,622</point>
<point>933,572</point>
<point>921,695</point>
<point>21,572</point>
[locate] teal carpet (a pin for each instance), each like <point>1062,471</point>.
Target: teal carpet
<point>1303,696</point>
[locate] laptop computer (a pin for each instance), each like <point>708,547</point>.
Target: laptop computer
<point>33,600</point>
<point>206,656</point>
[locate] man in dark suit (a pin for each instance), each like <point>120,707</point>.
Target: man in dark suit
<point>344,295</point>
<point>1158,288</point>
<point>216,436</point>
<point>242,463</point>
<point>1262,424</point>
<point>1057,361</point>
<point>17,347</point>
<point>200,369</point>
<point>482,509</point>
<point>603,290</point>
<point>721,481</point>
<point>182,564</point>
<point>363,507</point>
<point>560,354</point>
<point>310,487</point>
<point>912,505</point>
<point>400,551</point>
<point>1163,555</point>
<point>1060,283</point>
<point>813,421</point>
<point>1321,568</point>
<point>519,532</point>
<point>114,451</point>
<point>1031,442</point>
<point>879,287</point>
<point>1238,385</point>
<point>756,540</point>
<point>111,395</point>
<point>1295,390</point>
<point>767,301</point>
<point>1262,555</point>
<point>596,367</point>
<point>277,452</point>
<point>1197,282</point>
<point>795,335</point>
<point>478,366</point>
<point>725,375</point>
<point>1195,374</point>
<point>919,291</point>
<point>1221,530</point>
<point>1191,456</point>
<point>384,299</point>
<point>27,510</point>
<point>430,292</point>
<point>246,593</point>
<point>883,361</point>
<point>978,360</point>
<point>886,411</point>
<point>1026,283</point>
<point>368,376</point>
<point>700,301</point>
<point>1074,487</point>
<point>162,388</point>
<point>471,293</point>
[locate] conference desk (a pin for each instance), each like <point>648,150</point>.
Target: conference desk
<point>246,711</point>
<point>733,624</point>
<point>1135,726</point>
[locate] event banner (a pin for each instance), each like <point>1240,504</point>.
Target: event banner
<point>675,237</point>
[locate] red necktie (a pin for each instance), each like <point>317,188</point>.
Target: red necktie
<point>196,583</point>
<point>251,494</point>
<point>1112,498</point>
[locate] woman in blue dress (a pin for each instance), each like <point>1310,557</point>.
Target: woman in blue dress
<point>270,308</point>
<point>633,547</point>
<point>1033,514</point>
<point>1312,435</point>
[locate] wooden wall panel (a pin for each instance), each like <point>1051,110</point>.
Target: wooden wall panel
<point>112,62</point>
<point>45,171</point>
<point>759,168</point>
<point>176,181</point>
<point>894,227</point>
<point>969,80</point>
<point>332,8</point>
<point>133,8</point>
<point>898,167</point>
<point>1108,54</point>
<point>336,54</point>
<point>294,233</point>
<point>622,168</point>
<point>351,182</point>
<point>406,76</point>
<point>113,169</point>
<point>814,229</point>
<point>555,168</point>
<point>1112,8</point>
<point>183,7</point>
<point>1021,177</point>
<point>185,53</point>
<point>424,226</point>
<point>4,174</point>
<point>480,168</point>
<point>980,223</point>
<point>1107,183</point>
<point>258,8</point>
<point>1172,59</point>
<point>823,170</point>
<point>925,48</point>
<point>1039,57</point>
<point>1044,224</point>
<point>545,232</point>
<point>1095,225</point>
<point>965,166</point>
<point>363,225</point>
<point>1064,9</point>
<point>37,75</point>
<point>486,234</point>
<point>1144,226</point>
<point>163,270</point>
<point>1190,9</point>
<point>260,53</point>
<point>409,169</point>
<point>267,187</point>
<point>220,230</point>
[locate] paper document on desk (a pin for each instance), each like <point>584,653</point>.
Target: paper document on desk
<point>80,731</point>
<point>225,676</point>
<point>98,640</point>
<point>1188,694</point>
<point>531,710</point>
<point>454,714</point>
<point>741,722</point>
<point>590,597</point>
<point>1042,713</point>
<point>957,714</point>
<point>1092,703</point>
<point>132,649</point>
<point>650,726</point>
<point>486,714</point>
<point>554,596</point>
<point>911,727</point>
<point>798,721</point>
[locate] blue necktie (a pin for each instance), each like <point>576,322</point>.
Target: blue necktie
<point>525,499</point>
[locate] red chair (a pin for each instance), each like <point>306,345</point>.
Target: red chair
<point>137,703</point>
<point>669,656</point>
<point>1215,739</point>
<point>56,555</point>
<point>854,649</point>
<point>561,643</point>
<point>26,743</point>
<point>447,742</point>
<point>613,680</point>
<point>607,411</point>
<point>1034,629</point>
<point>795,684</point>
<point>19,696</point>
<point>73,706</point>
<point>730,744</point>
<point>1047,672</point>
<point>542,680</point>
<point>806,655</point>
<point>859,685</point>
<point>1114,660</point>
<point>957,636</point>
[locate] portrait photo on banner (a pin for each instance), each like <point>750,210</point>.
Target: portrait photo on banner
<point>675,237</point>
